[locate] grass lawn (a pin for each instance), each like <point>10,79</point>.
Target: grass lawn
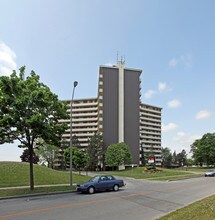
<point>166,174</point>
<point>204,209</point>
<point>17,174</point>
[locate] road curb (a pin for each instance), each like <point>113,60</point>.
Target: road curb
<point>37,194</point>
<point>184,178</point>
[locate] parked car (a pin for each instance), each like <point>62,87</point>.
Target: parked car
<point>100,183</point>
<point>210,173</point>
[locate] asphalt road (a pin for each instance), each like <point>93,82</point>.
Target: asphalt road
<point>138,200</point>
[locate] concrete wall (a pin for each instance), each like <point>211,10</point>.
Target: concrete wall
<point>132,112</point>
<point>110,105</point>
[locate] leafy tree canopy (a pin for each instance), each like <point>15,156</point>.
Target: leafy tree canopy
<point>29,110</point>
<point>204,149</point>
<point>166,157</point>
<point>79,157</point>
<point>118,154</point>
<point>45,152</point>
<point>95,151</point>
<point>182,158</point>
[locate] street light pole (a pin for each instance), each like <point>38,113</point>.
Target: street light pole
<point>74,85</point>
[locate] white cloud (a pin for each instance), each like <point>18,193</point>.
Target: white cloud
<point>162,86</point>
<point>185,139</point>
<point>183,60</point>
<point>149,94</point>
<point>174,103</point>
<point>169,127</point>
<point>202,115</point>
<point>179,141</point>
<point>7,59</point>
<point>173,62</point>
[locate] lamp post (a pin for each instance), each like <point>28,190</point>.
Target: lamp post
<point>74,85</point>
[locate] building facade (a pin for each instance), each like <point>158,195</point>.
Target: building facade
<point>118,114</point>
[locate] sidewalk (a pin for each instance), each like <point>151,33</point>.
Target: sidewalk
<point>26,187</point>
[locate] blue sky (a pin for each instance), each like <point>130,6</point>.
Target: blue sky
<point>172,41</point>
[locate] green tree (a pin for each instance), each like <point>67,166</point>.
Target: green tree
<point>182,158</point>
<point>45,152</point>
<point>190,162</point>
<point>174,158</point>
<point>79,158</point>
<point>166,157</point>
<point>117,154</point>
<point>29,110</point>
<point>95,151</point>
<point>204,149</point>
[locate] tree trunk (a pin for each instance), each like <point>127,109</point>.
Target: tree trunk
<point>31,167</point>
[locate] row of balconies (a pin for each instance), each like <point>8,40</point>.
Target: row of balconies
<point>85,102</point>
<point>149,126</point>
<point>143,122</point>
<point>67,135</point>
<point>85,114</point>
<point>150,142</point>
<point>85,119</point>
<point>84,109</point>
<point>152,128</point>
<point>150,110</point>
<point>149,132</point>
<point>145,113</point>
<point>150,136</point>
<point>84,129</point>
<point>150,119</point>
<point>75,129</point>
<point>149,150</point>
<point>85,125</point>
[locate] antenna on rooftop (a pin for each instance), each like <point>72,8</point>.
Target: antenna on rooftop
<point>117,56</point>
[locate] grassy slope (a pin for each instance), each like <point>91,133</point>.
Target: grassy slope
<point>17,174</point>
<point>204,209</point>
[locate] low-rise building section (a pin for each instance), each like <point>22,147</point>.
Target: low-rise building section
<point>150,132</point>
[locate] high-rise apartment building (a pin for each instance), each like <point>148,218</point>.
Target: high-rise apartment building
<point>118,114</point>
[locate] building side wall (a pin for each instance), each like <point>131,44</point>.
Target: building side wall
<point>132,112</point>
<point>150,131</point>
<point>110,105</point>
<point>84,122</point>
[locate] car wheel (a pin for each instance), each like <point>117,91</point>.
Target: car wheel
<point>91,190</point>
<point>115,188</point>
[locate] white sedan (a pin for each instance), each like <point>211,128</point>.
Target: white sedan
<point>210,173</point>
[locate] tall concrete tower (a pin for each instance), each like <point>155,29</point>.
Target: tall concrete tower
<point>119,106</point>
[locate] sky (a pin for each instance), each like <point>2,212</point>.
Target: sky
<point>171,41</point>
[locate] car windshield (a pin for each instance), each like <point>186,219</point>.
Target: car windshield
<point>95,179</point>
